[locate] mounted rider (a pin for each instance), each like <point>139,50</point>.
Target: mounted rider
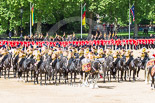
<point>129,57</point>
<point>38,57</point>
<point>144,55</point>
<point>22,56</point>
<point>109,52</point>
<point>70,57</point>
<point>117,56</point>
<point>30,52</point>
<point>4,53</point>
<point>81,53</point>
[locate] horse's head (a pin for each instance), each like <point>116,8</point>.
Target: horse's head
<point>32,62</point>
<point>138,62</point>
<point>78,64</point>
<point>123,61</point>
<point>97,66</point>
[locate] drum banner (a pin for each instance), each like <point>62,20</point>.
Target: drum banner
<point>86,67</point>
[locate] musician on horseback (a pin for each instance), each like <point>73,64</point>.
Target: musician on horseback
<point>4,53</point>
<point>30,52</point>
<point>117,56</point>
<point>129,57</point>
<point>109,52</point>
<point>70,57</point>
<point>22,56</point>
<point>144,55</point>
<point>100,53</point>
<point>81,53</point>
<point>38,57</point>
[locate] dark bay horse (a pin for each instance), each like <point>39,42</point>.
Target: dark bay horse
<point>7,64</point>
<point>120,66</point>
<point>133,66</point>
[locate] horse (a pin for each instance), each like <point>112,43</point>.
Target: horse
<point>60,67</point>
<point>94,73</point>
<point>120,66</point>
<point>133,66</point>
<point>144,62</point>
<point>110,66</point>
<point>152,73</point>
<point>48,68</point>
<point>78,66</point>
<point>26,67</point>
<point>148,68</point>
<point>15,64</point>
<point>72,69</point>
<point>7,64</point>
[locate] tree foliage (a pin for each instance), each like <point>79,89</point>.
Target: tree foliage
<point>51,11</point>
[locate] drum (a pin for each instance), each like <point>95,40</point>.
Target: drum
<point>150,63</point>
<point>86,67</point>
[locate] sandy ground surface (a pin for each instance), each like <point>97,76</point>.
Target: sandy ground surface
<point>12,91</point>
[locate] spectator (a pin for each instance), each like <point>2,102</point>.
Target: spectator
<point>10,35</point>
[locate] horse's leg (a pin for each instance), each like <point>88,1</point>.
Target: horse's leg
<point>122,72</point>
<point>27,75</point>
<point>37,76</point>
<point>59,77</point>
<point>104,75</point>
<point>24,75</point>
<point>5,73</point>
<point>40,78</point>
<point>34,76</point>
<point>8,73</point>
<point>129,75</point>
<point>108,75</point>
<point>83,81</point>
<point>45,78</point>
<point>65,79</point>
<point>153,80</point>
<point>74,77</point>
<point>71,78</point>
<point>134,73</point>
<point>56,79</point>
<point>118,75</point>
<point>138,72</point>
<point>125,75</point>
<point>95,82</point>
<point>31,74</point>
<point>0,73</point>
<point>87,80</point>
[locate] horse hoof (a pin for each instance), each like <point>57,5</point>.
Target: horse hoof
<point>150,82</point>
<point>91,86</point>
<point>146,82</point>
<point>96,86</point>
<point>152,88</point>
<point>21,79</point>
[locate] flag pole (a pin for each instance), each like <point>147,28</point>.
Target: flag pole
<point>129,19</point>
<point>81,20</point>
<point>30,20</point>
